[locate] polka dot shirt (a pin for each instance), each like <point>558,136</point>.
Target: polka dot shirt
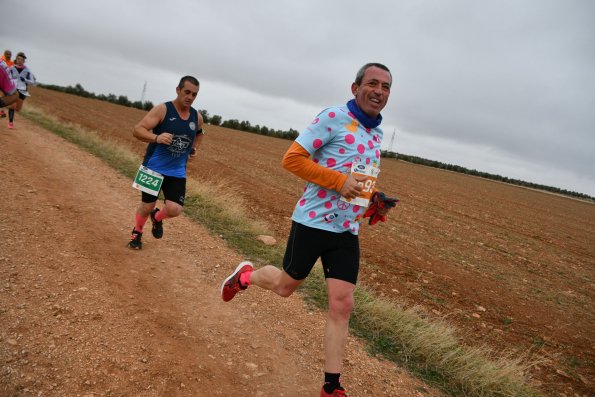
<point>336,140</point>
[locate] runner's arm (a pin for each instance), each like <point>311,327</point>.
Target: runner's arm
<point>9,99</point>
<point>29,78</point>
<point>143,131</point>
<point>297,161</point>
<point>199,136</point>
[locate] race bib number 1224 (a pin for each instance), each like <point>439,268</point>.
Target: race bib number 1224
<point>148,181</point>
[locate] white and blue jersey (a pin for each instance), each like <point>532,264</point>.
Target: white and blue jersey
<point>336,140</point>
<point>22,78</point>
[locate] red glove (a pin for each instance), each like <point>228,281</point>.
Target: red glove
<point>379,201</point>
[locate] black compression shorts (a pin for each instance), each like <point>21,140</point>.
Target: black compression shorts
<point>174,189</point>
<point>339,253</point>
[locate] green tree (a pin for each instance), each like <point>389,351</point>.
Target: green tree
<point>205,115</point>
<point>123,100</point>
<point>215,120</point>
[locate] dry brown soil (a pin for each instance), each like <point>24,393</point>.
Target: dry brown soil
<point>510,267</point>
<point>82,315</point>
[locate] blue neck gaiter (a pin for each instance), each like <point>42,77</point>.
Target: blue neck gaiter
<point>367,121</point>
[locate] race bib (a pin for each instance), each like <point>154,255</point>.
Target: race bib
<point>148,181</point>
<point>366,176</point>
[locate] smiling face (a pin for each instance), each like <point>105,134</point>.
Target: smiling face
<point>372,94</point>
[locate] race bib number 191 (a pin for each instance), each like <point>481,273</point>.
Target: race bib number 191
<point>148,181</point>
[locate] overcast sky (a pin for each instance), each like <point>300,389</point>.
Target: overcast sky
<point>506,87</point>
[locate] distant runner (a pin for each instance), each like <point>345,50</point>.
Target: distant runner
<point>22,77</point>
<point>7,86</point>
<point>174,131</point>
<point>6,58</point>
<point>344,143</point>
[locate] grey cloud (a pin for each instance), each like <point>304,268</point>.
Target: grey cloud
<point>515,76</point>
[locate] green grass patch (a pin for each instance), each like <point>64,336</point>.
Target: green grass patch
<point>427,347</point>
<point>237,231</point>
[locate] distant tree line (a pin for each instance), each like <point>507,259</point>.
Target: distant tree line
<point>248,127</point>
<point>213,120</point>
<point>119,100</point>
<point>463,170</point>
<point>292,134</point>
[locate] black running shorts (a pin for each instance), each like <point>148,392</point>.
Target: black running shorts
<point>339,253</point>
<point>174,189</point>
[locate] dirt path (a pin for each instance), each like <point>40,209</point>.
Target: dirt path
<point>510,267</point>
<point>81,315</point>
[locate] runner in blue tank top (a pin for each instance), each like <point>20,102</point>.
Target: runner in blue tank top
<point>174,133</point>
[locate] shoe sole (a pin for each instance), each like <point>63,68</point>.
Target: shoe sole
<point>241,265</point>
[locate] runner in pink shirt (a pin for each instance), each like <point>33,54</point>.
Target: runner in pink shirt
<point>7,87</point>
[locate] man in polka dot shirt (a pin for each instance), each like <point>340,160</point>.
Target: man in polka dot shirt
<point>339,156</point>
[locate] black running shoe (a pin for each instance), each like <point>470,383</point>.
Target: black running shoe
<point>157,228</point>
<point>135,240</point>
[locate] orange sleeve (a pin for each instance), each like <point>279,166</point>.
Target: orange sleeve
<point>297,161</point>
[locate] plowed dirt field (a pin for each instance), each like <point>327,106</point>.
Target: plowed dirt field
<point>511,267</point>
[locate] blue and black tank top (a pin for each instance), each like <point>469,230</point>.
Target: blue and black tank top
<point>170,160</point>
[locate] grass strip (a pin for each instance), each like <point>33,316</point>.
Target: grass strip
<point>426,347</point>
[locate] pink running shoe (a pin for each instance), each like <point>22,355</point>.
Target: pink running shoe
<point>10,126</point>
<point>231,285</point>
